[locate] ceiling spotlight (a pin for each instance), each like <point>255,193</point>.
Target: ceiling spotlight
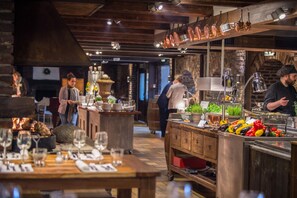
<point>109,22</point>
<point>278,14</point>
<point>115,45</point>
<point>158,6</point>
<point>95,64</point>
<point>98,52</point>
<point>87,53</point>
<point>104,62</point>
<point>176,2</point>
<point>117,21</point>
<point>157,44</point>
<point>160,54</point>
<point>281,14</point>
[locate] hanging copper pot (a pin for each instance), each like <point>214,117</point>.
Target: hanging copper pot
<point>197,30</point>
<point>190,32</point>
<point>171,38</point>
<point>215,28</point>
<point>176,36</point>
<point>206,30</point>
<point>166,42</point>
<point>248,24</point>
<point>239,26</point>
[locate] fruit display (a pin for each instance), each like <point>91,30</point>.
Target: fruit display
<point>251,128</point>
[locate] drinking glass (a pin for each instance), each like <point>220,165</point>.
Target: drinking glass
<point>24,143</point>
<point>39,156</point>
<point>101,141</point>
<point>79,140</point>
<point>5,141</point>
<point>117,155</point>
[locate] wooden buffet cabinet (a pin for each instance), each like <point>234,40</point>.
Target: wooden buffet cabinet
<point>187,138</point>
<point>118,125</point>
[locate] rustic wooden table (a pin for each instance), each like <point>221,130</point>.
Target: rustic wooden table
<point>132,174</point>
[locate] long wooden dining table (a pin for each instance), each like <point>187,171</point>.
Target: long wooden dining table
<point>133,173</point>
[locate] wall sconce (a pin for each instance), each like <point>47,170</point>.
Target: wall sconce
<point>278,14</point>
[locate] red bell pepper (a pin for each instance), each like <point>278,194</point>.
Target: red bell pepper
<point>258,125</point>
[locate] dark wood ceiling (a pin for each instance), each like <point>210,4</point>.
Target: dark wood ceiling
<point>139,27</point>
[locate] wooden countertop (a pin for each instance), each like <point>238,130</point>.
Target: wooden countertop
<point>112,112</point>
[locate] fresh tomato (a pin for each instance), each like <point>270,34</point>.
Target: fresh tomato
<point>273,129</point>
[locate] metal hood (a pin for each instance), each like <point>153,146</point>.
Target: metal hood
<point>42,38</point>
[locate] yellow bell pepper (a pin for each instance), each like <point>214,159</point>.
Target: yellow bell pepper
<point>259,132</point>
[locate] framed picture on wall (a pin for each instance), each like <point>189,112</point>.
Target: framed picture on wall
<point>79,84</point>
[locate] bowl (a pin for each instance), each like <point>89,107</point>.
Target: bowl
<point>106,107</point>
<point>117,107</point>
<point>128,108</point>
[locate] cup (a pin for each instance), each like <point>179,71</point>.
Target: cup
<point>39,156</point>
<point>117,155</point>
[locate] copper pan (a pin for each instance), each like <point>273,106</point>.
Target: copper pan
<point>190,33</point>
<point>176,37</point>
<point>171,37</point>
<point>197,30</point>
<point>239,26</point>
<point>215,28</point>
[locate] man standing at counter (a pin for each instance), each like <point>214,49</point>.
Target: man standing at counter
<point>281,95</point>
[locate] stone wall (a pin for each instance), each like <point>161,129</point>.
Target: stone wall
<point>233,59</point>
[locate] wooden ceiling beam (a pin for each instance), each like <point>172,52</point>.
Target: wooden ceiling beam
<point>120,40</point>
<point>95,22</point>
<point>143,7</point>
<point>114,36</point>
<point>116,30</point>
<point>150,17</point>
<point>82,1</point>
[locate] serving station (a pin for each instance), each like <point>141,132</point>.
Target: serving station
<point>118,125</point>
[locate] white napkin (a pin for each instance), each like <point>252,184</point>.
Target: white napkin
<point>105,168</point>
<point>95,155</point>
<point>83,167</point>
<point>15,168</point>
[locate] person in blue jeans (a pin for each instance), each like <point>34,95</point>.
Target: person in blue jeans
<point>163,108</point>
<point>69,99</point>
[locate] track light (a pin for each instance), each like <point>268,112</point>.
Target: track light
<point>281,14</point>
<point>115,45</point>
<point>157,44</point>
<point>278,14</point>
<point>158,6</point>
<point>176,2</point>
<point>117,21</point>
<point>109,22</point>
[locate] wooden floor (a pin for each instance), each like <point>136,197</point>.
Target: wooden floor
<point>150,149</point>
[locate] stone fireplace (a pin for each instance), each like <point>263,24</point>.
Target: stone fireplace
<point>10,107</point>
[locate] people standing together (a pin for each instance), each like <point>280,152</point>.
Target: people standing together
<point>169,100</point>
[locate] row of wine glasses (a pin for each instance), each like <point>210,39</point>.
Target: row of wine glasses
<point>23,142</point>
<point>100,142</point>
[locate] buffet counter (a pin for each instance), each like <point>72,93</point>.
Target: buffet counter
<point>231,156</point>
<point>118,125</point>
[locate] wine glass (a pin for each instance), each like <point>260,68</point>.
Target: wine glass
<point>79,140</point>
<point>101,141</point>
<point>24,143</point>
<point>5,141</point>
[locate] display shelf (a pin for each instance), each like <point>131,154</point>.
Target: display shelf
<point>198,178</point>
